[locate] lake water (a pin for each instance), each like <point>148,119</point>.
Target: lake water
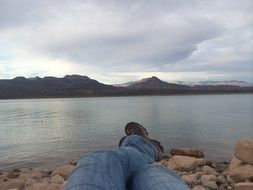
<point>44,133</point>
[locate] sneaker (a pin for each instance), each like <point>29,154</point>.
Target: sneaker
<point>133,128</point>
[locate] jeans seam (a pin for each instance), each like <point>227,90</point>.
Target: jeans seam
<point>109,169</point>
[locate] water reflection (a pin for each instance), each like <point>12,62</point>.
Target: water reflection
<point>45,132</point>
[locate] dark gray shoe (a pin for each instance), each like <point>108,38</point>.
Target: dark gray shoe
<point>134,128</point>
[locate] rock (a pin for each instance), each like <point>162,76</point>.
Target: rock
<point>209,181</point>
<point>64,170</point>
<point>225,172</point>
<point>221,167</point>
<point>244,186</point>
<point>208,177</point>
<point>74,161</point>
<point>63,185</point>
<point>209,170</point>
<point>30,182</point>
<point>223,186</point>
<point>13,183</point>
<point>13,189</point>
<point>201,161</point>
<point>192,152</point>
<point>198,187</point>
<point>244,150</point>
<point>13,174</point>
<point>44,186</point>
<point>198,169</point>
<point>45,180</point>
<point>213,165</point>
<point>221,179</point>
<point>190,179</point>
<point>37,175</point>
<point>3,177</point>
<point>199,174</point>
<point>230,180</point>
<point>24,176</point>
<point>183,163</point>
<point>57,179</point>
<point>210,184</point>
<point>241,173</point>
<point>235,163</point>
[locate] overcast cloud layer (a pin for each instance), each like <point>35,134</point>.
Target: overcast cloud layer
<point>117,41</point>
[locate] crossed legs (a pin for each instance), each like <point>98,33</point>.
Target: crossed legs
<point>129,167</point>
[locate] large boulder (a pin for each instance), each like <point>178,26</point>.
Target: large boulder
<point>64,170</point>
<point>244,150</point>
<point>235,163</point>
<point>244,186</point>
<point>184,163</point>
<point>192,152</point>
<point>241,173</point>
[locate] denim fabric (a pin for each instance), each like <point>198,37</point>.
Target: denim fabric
<point>128,167</point>
<point>156,176</point>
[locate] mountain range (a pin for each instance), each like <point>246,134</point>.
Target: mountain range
<point>83,86</point>
<point>199,83</point>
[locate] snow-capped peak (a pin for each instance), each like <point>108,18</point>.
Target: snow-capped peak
<point>215,83</point>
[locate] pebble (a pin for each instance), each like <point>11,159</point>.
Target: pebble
<point>30,182</point>
<point>221,179</point>
<point>198,187</point>
<point>209,170</point>
<point>57,179</point>
<point>209,181</point>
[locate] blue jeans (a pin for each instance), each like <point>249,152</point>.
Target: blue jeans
<point>129,167</point>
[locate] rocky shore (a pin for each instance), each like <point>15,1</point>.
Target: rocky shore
<point>189,163</point>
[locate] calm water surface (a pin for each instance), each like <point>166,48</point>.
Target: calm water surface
<point>44,133</point>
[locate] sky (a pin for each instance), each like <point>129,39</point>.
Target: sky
<point>117,41</point>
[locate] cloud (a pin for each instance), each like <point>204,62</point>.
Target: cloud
<point>100,38</point>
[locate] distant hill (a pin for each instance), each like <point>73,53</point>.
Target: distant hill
<point>153,83</point>
<point>68,86</point>
<point>83,86</point>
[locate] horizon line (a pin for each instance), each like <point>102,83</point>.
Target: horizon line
<point>33,77</point>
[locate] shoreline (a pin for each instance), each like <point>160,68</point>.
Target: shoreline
<point>51,167</point>
<point>189,164</point>
<point>191,171</point>
<point>131,95</point>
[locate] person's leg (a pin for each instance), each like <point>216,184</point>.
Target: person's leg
<point>156,176</point>
<point>109,170</point>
